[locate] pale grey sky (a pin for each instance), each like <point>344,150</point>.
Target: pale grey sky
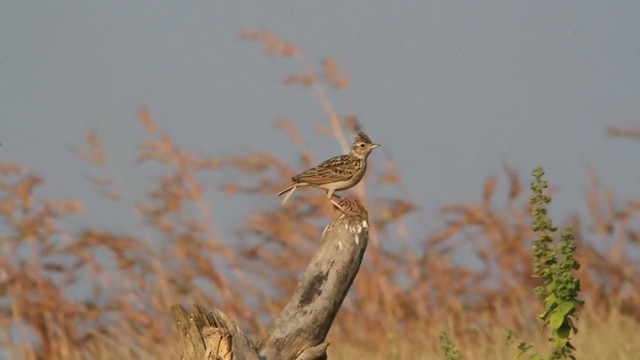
<point>453,89</point>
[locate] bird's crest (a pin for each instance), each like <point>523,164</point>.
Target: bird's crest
<point>364,137</point>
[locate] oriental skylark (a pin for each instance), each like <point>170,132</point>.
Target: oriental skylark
<point>338,173</point>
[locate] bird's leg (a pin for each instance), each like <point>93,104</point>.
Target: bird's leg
<point>337,205</point>
<point>330,196</point>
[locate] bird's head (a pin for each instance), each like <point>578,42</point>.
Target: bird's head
<point>362,146</point>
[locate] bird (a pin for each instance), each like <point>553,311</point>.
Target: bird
<point>338,173</point>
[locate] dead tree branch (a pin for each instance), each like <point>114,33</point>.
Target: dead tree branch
<point>300,330</point>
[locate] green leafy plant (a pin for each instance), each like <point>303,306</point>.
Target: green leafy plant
<point>523,347</point>
<point>554,263</point>
<point>448,347</point>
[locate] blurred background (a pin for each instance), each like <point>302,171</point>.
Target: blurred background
<point>147,140</point>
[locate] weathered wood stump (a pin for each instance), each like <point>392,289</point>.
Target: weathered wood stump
<point>300,330</point>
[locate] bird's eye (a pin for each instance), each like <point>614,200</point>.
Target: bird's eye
<point>362,145</point>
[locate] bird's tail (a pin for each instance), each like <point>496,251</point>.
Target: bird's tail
<point>289,191</point>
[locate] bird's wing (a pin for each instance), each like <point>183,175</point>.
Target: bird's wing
<point>339,168</point>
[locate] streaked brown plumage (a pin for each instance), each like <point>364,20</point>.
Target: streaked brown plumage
<point>338,173</point>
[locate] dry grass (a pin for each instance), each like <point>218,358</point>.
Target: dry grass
<point>601,336</point>
<point>124,283</point>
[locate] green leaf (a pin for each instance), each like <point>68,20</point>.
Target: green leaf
<point>563,331</point>
<point>565,307</point>
<point>550,299</point>
<point>555,320</point>
<point>559,313</point>
<point>561,336</point>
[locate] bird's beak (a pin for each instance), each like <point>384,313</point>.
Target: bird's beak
<point>373,146</point>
